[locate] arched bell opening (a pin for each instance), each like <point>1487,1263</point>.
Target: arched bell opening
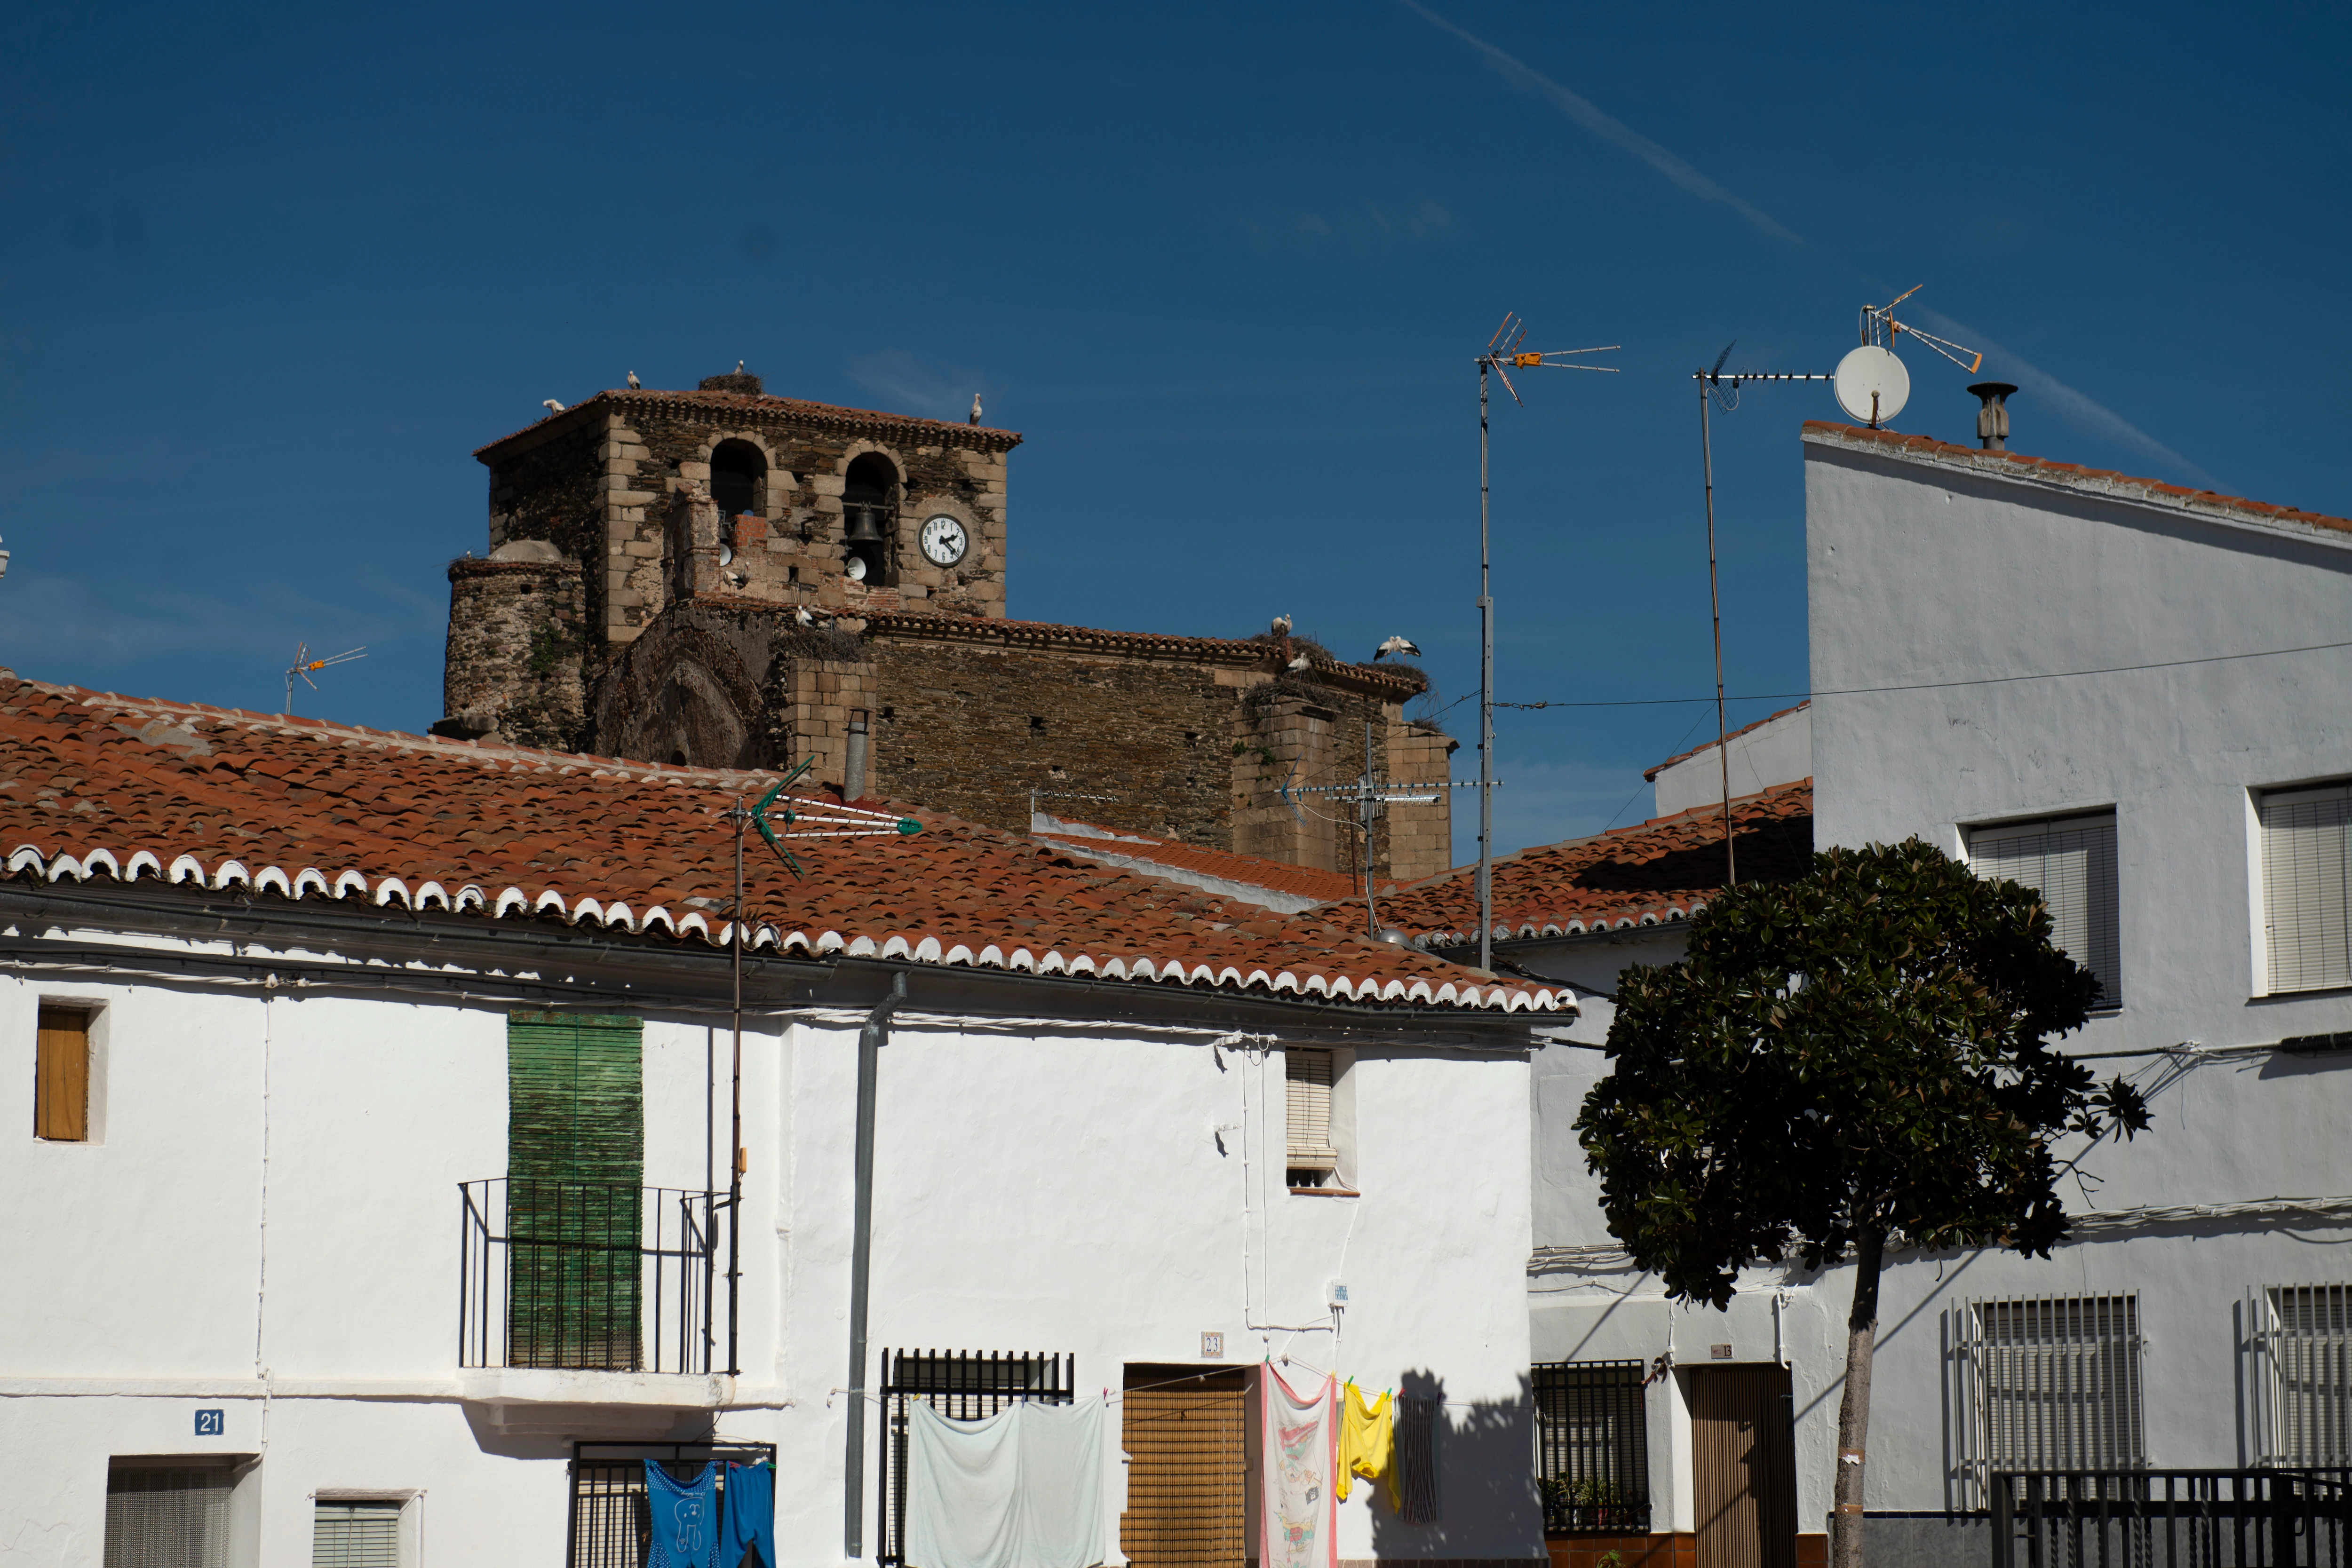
<point>869,517</point>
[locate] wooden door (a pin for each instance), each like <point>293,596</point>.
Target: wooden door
<point>1185,1432</point>
<point>1744,1469</point>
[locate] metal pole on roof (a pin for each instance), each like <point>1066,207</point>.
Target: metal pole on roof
<point>1486,707</point>
<point>1715,606</point>
<point>735,1171</point>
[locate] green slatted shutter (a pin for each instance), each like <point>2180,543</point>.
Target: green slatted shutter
<point>575,1164</point>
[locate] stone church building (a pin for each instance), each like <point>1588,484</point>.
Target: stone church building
<point>721,578</point>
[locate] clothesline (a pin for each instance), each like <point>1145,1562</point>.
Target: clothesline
<point>1109,1397</point>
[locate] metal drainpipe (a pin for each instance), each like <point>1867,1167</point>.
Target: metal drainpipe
<point>852,776</point>
<point>871,1037</point>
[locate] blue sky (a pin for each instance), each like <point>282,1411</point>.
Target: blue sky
<point>270,274</point>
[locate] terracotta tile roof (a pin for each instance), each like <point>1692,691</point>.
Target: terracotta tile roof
<point>1654,873</point>
<point>2103,481</point>
<point>781,410</point>
<point>95,784</point>
<point>1652,772</point>
<point>1248,871</point>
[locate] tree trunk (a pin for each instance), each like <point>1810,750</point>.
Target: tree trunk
<point>1853,1410</point>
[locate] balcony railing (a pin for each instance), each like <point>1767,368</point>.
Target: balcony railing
<point>2179,1519</point>
<point>586,1276</point>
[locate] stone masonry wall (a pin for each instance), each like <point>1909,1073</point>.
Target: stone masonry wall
<point>512,660</point>
<point>972,730</point>
<point>1421,837</point>
<point>553,491</point>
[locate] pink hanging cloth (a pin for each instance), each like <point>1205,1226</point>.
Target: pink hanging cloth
<point>1299,1507</point>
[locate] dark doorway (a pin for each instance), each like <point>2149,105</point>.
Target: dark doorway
<point>1185,1431</point>
<point>1743,1466</point>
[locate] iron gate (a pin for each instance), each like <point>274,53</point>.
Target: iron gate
<point>963,1386</point>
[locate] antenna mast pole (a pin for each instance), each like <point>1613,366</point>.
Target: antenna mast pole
<point>1486,707</point>
<point>735,1161</point>
<point>1715,608</point>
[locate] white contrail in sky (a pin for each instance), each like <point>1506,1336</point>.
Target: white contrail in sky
<point>2064,399</point>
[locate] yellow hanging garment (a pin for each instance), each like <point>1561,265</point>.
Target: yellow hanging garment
<point>1368,1445</point>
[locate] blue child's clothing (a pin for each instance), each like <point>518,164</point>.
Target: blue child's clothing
<point>750,1515</point>
<point>685,1518</point>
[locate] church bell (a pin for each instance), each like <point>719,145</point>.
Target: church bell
<point>863,529</point>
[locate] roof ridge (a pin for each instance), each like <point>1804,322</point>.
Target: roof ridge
<point>2154,490</point>
<point>1649,775</point>
<point>767,402</point>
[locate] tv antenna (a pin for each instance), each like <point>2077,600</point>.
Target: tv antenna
<point>305,666</point>
<point>1880,328</point>
<point>802,818</point>
<point>1372,795</point>
<point>1505,352</point>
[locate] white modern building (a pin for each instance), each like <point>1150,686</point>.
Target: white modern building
<point>370,1106</point>
<point>2127,695</point>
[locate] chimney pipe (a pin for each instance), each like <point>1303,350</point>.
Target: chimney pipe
<point>1993,419</point>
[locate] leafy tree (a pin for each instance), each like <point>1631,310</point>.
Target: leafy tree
<point>1855,1058</point>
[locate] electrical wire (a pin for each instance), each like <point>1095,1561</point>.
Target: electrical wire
<point>1946,685</point>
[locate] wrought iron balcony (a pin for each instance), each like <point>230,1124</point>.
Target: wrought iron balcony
<point>584,1276</point>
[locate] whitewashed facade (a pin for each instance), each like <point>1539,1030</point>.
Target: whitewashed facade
<point>264,1219</point>
<point>2140,796</point>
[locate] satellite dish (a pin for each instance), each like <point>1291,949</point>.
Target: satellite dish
<point>1871,385</point>
<point>726,553</point>
<point>856,568</point>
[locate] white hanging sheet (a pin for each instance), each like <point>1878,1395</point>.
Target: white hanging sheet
<point>1021,1488</point>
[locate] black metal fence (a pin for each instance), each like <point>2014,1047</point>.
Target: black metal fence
<point>611,1520</point>
<point>2178,1518</point>
<point>963,1386</point>
<point>1593,1447</point>
<point>583,1275</point>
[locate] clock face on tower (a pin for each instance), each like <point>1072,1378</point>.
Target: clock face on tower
<point>944,540</point>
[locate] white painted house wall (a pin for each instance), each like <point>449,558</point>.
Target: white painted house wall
<point>271,1227</point>
<point>1923,570</point>
<point>1778,751</point>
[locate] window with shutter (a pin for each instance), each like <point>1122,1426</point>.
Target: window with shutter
<point>2071,863</point>
<point>167,1514</point>
<point>355,1535</point>
<point>1307,1084</point>
<point>61,1075</point>
<point>2306,850</point>
<point>576,1173</point>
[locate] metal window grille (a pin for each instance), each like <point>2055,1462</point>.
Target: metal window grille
<point>2071,863</point>
<point>2302,1343</point>
<point>355,1535</point>
<point>1592,1446</point>
<point>963,1386</point>
<point>612,1521</point>
<point>2051,1384</point>
<point>588,1275</point>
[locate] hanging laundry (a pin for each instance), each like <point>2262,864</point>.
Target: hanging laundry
<point>1416,1458</point>
<point>750,1516</point>
<point>1299,1507</point>
<point>1368,1445</point>
<point>685,1518</point>
<point>1021,1488</point>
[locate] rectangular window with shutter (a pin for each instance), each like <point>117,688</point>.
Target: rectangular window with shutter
<point>2303,1345</point>
<point>61,1075</point>
<point>575,1176</point>
<point>1307,1094</point>
<point>355,1535</point>
<point>2071,863</point>
<point>2306,848</point>
<point>2054,1385</point>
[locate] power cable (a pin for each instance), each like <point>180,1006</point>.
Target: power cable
<point>1945,685</point>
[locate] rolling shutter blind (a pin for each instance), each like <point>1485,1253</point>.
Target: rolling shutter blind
<point>159,1517</point>
<point>2071,862</point>
<point>2058,1384</point>
<point>2304,888</point>
<point>355,1535</point>
<point>575,1169</point>
<point>1308,1099</point>
<point>61,1075</point>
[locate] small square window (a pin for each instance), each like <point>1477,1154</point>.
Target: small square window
<point>355,1535</point>
<point>2306,839</point>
